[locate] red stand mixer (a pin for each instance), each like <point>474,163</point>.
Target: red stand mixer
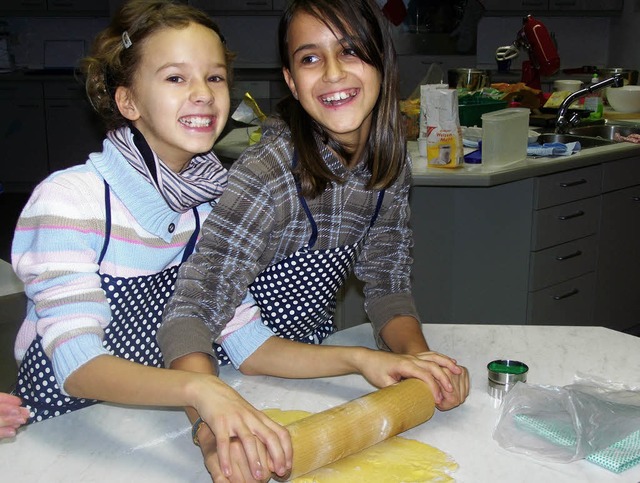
<point>543,55</point>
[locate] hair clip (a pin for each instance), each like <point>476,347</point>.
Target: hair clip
<point>126,41</point>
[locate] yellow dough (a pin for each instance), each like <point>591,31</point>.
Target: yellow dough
<point>395,460</point>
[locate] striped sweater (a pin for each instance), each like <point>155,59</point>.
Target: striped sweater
<point>57,244</point>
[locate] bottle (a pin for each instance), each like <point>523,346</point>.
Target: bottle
<point>593,101</point>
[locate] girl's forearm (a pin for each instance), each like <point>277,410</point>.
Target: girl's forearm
<point>112,379</point>
<point>403,335</point>
<point>297,360</point>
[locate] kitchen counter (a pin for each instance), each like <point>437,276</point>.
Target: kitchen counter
<point>106,443</point>
<point>232,145</point>
<point>480,175</point>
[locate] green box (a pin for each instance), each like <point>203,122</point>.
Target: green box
<point>471,109</point>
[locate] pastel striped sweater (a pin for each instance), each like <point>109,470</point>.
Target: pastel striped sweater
<point>57,244</point>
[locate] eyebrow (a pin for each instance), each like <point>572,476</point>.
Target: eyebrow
<point>341,41</point>
<point>182,64</point>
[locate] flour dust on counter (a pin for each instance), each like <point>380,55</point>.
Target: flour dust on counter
<point>395,460</point>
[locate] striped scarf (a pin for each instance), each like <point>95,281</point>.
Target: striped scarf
<point>203,180</point>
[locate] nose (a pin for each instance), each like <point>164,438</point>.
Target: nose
<point>201,93</point>
<point>334,70</point>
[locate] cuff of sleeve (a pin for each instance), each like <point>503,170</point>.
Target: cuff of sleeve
<point>73,353</point>
<point>380,311</point>
<point>184,336</point>
<point>240,344</point>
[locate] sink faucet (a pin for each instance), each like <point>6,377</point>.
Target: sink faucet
<point>562,121</point>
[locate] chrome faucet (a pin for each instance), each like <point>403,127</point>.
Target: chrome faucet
<point>562,121</point>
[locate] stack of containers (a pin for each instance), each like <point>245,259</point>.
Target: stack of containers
<point>504,136</point>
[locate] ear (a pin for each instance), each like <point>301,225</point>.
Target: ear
<point>126,104</point>
<point>288,78</point>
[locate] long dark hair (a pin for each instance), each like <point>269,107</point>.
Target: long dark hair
<point>361,24</point>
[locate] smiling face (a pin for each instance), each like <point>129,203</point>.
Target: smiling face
<point>336,88</point>
<point>179,99</point>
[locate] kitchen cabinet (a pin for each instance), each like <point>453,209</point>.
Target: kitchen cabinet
<point>617,301</point>
<point>238,6</point>
<point>553,7</point>
<point>562,264</point>
<point>523,252</point>
<point>73,128</point>
<point>518,253</point>
<point>23,144</point>
<point>55,7</point>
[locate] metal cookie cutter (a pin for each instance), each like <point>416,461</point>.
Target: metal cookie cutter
<point>503,374</point>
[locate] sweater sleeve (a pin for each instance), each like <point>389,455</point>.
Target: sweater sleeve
<point>385,263</point>
<point>213,281</point>
<point>54,252</point>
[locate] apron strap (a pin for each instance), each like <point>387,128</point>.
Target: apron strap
<point>314,227</point>
<point>107,229</point>
<point>188,250</point>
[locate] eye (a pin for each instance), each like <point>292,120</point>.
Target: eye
<point>349,51</point>
<point>309,59</point>
<point>217,78</point>
<point>175,79</point>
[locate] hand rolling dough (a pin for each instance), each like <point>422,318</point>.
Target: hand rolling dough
<point>395,460</point>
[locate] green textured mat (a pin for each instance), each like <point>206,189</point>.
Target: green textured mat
<point>617,458</point>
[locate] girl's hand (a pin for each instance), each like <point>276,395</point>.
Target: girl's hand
<point>240,465</point>
<point>245,440</point>
<point>448,382</point>
<point>460,391</point>
<point>12,416</point>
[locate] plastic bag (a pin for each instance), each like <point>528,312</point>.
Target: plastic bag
<point>594,419</point>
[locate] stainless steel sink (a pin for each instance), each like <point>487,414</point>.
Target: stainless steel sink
<point>606,131</point>
<point>585,142</point>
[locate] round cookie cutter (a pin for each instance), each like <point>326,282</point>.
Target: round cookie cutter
<point>504,374</point>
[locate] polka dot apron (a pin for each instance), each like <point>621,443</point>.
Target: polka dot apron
<point>136,306</point>
<point>297,296</point>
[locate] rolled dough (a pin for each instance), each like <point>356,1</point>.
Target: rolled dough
<point>395,460</point>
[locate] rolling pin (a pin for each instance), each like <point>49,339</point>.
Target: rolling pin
<point>327,436</point>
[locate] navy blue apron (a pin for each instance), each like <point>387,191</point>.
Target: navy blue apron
<point>297,296</point>
<point>136,305</point>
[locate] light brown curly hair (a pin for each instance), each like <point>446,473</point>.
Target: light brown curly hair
<point>110,64</point>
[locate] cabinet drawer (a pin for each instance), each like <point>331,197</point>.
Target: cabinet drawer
<point>20,90</point>
<point>64,90</point>
<point>232,5</point>
<point>562,262</point>
<point>620,174</point>
<point>567,303</point>
<point>564,223</point>
<point>576,184</point>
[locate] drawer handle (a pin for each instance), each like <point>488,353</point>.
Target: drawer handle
<point>572,215</point>
<point>561,258</point>
<point>571,293</point>
<point>635,198</point>
<point>573,183</point>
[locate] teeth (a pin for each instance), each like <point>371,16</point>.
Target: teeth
<point>196,121</point>
<point>338,96</point>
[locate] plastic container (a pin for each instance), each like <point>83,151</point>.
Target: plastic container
<point>504,136</point>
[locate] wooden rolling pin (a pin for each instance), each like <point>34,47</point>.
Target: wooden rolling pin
<point>325,437</point>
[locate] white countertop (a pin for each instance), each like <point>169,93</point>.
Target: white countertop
<point>107,443</point>
<point>236,141</point>
<point>481,175</point>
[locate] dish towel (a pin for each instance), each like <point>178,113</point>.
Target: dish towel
<point>553,149</point>
<point>617,458</point>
